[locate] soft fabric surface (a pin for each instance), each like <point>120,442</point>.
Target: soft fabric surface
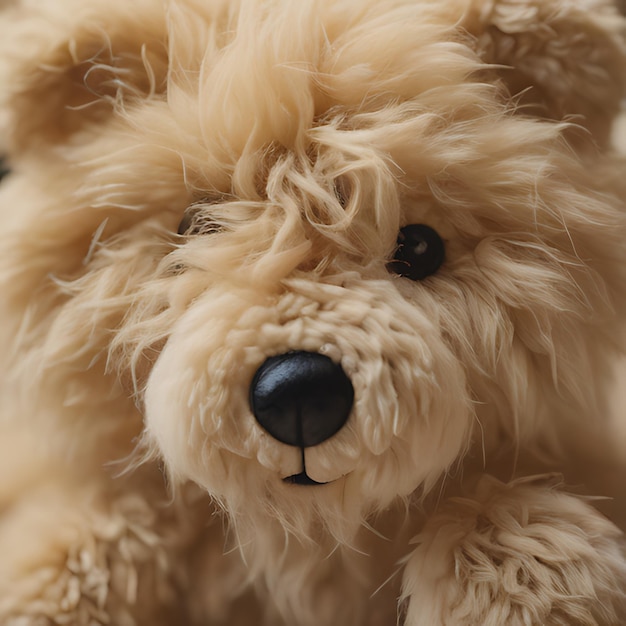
<point>198,185</point>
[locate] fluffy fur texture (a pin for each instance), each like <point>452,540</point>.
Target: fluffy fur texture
<point>296,139</point>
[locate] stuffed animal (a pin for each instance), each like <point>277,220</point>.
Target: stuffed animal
<point>309,312</point>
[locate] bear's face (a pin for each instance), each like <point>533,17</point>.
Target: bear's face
<point>340,189</point>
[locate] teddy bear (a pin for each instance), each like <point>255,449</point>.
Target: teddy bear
<point>310,313</point>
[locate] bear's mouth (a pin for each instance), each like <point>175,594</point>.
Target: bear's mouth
<point>301,479</point>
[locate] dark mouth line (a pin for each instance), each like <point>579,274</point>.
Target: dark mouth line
<point>301,479</point>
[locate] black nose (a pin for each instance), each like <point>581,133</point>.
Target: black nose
<point>301,398</point>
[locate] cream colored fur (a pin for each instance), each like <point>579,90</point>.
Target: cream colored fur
<point>136,488</point>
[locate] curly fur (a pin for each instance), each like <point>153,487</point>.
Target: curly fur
<point>296,139</point>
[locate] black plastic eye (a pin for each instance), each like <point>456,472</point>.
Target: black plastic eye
<point>419,254</point>
<point>4,168</point>
<point>195,222</point>
<point>185,224</point>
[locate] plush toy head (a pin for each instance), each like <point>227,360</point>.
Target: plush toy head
<point>323,242</point>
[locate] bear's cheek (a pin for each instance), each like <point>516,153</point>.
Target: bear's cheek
<point>409,424</point>
<point>196,406</point>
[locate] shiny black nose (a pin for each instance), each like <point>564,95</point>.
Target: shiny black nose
<point>301,398</point>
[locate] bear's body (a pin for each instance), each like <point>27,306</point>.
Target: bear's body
<point>309,312</point>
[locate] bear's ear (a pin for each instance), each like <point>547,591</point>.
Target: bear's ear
<point>562,59</point>
<point>66,64</point>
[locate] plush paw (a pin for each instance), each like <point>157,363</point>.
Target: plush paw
<point>64,566</point>
<point>520,554</point>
